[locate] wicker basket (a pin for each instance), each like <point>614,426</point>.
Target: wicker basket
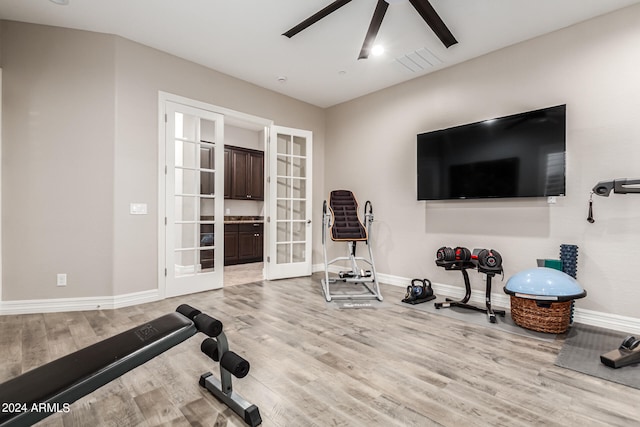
<point>554,319</point>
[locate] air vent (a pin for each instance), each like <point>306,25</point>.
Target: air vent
<point>419,60</point>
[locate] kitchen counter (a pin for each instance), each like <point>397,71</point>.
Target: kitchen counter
<point>229,219</point>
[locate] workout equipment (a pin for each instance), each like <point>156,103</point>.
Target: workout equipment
<point>629,351</point>
<point>38,393</point>
<point>569,258</point>
<point>486,261</point>
<point>340,217</point>
<point>419,291</point>
<point>618,186</point>
<point>542,299</point>
<point>489,260</point>
<point>627,354</point>
<point>544,284</point>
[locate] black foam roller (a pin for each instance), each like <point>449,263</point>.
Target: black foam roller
<point>188,311</point>
<point>210,347</point>
<point>569,258</point>
<point>235,364</point>
<point>208,325</point>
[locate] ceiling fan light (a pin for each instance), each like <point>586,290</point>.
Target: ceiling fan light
<point>377,50</point>
<point>60,2</point>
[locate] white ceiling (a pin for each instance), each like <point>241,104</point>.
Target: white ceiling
<point>243,37</point>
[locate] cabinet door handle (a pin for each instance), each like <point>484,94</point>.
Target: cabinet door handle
<point>308,221</point>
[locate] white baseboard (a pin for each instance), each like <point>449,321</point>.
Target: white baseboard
<point>616,322</point>
<point>630,325</point>
<point>77,304</point>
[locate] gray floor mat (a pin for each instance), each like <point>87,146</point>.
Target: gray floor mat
<point>581,352</point>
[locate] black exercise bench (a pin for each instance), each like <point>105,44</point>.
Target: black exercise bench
<point>52,387</point>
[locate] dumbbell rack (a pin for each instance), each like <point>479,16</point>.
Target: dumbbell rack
<point>463,266</point>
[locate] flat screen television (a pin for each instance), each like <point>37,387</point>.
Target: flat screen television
<point>522,155</point>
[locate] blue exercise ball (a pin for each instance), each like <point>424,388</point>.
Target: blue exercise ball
<point>545,282</point>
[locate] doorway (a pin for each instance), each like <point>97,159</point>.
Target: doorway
<point>193,211</point>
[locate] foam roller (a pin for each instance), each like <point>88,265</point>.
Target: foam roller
<point>569,258</point>
<point>235,364</point>
<point>188,311</point>
<point>210,347</point>
<point>208,325</point>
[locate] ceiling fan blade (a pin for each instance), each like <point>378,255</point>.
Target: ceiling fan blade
<point>434,21</point>
<point>374,26</point>
<point>316,17</point>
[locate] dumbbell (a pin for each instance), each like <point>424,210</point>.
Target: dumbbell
<point>459,253</point>
<point>489,259</point>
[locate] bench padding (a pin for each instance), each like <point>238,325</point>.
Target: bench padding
<point>346,225</point>
<point>71,377</point>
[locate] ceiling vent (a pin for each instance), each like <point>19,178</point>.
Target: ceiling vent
<point>419,60</point>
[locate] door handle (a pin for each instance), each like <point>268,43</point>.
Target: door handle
<point>308,221</point>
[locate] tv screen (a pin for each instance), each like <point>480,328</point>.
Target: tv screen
<point>522,155</point>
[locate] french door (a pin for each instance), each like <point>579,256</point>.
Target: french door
<point>194,199</point>
<point>289,219</point>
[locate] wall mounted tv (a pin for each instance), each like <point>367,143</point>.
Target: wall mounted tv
<point>522,155</point>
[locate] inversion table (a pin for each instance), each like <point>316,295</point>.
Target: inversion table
<point>340,218</point>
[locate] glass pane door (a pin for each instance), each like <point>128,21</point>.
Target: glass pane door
<point>290,203</point>
<point>195,162</point>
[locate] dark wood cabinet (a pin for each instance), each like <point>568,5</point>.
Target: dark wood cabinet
<point>250,238</point>
<point>243,243</point>
<point>239,174</point>
<point>227,173</point>
<point>256,175</point>
<point>207,184</point>
<point>230,244</point>
<point>244,174</point>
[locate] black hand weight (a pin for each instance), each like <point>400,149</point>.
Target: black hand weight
<point>489,259</point>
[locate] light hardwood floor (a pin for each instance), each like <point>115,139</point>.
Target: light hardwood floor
<point>241,274</point>
<point>314,365</point>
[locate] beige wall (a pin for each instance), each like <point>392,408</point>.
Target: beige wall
<point>592,67</point>
<point>57,162</point>
<point>80,143</point>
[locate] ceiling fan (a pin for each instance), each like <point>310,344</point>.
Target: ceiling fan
<point>423,7</point>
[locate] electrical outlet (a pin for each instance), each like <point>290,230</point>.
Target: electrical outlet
<point>62,279</point>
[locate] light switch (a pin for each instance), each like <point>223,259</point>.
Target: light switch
<point>138,208</point>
